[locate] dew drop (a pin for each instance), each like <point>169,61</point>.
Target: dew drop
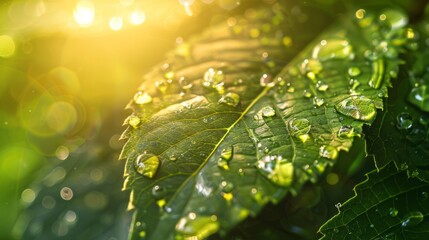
<point>419,96</point>
<point>162,85</point>
<point>267,111</point>
<point>276,169</point>
<point>158,192</point>
<point>318,102</point>
<point>307,94</point>
<point>299,126</point>
<point>147,165</point>
<point>346,132</point>
<point>226,153</point>
<point>185,83</point>
<point>353,71</point>
<point>393,212</point>
<point>266,80</point>
<point>404,121</point>
<point>329,152</point>
<point>412,219</point>
<point>66,193</point>
<point>141,98</point>
<point>322,87</point>
<point>230,99</point>
<point>359,108</point>
<point>134,121</point>
<point>212,78</point>
<point>196,227</point>
<point>336,48</point>
<point>311,67</point>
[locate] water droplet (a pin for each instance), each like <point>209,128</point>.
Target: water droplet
<point>162,85</point>
<point>393,212</point>
<point>336,48</point>
<point>147,165</point>
<point>276,169</point>
<point>172,157</point>
<point>359,108</point>
<point>213,78</point>
<point>66,193</point>
<point>307,94</point>
<point>299,126</point>
<point>377,73</point>
<point>266,80</point>
<point>329,152</point>
<point>159,192</point>
<point>267,111</point>
<point>419,96</point>
<point>226,153</point>
<point>230,99</point>
<point>412,219</point>
<point>322,87</point>
<point>404,121</point>
<point>141,98</point>
<point>197,227</point>
<point>346,132</point>
<point>134,121</point>
<point>395,18</point>
<point>185,83</point>
<point>227,187</point>
<point>317,101</point>
<point>311,67</point>
<point>353,71</point>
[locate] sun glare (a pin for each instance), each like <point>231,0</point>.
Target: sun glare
<point>84,13</point>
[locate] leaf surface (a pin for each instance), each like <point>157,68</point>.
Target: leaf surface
<point>202,161</point>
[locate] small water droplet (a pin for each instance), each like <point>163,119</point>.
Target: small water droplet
<point>159,192</point>
<point>353,72</point>
<point>213,78</point>
<point>66,193</point>
<point>197,227</point>
<point>393,212</point>
<point>328,151</point>
<point>322,87</point>
<point>419,96</point>
<point>311,67</point>
<point>412,219</point>
<point>230,99</point>
<point>162,85</point>
<point>267,111</point>
<point>318,102</point>
<point>134,121</point>
<point>359,108</point>
<point>172,157</point>
<point>141,98</point>
<point>147,165</point>
<point>266,80</point>
<point>336,48</point>
<point>185,83</point>
<point>307,94</point>
<point>346,132</point>
<point>299,126</point>
<point>276,169</point>
<point>226,153</point>
<point>404,121</point>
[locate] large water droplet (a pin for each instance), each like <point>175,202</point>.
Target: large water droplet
<point>230,99</point>
<point>197,227</point>
<point>404,121</point>
<point>141,98</point>
<point>336,48</point>
<point>267,111</point>
<point>412,219</point>
<point>329,152</point>
<point>147,165</point>
<point>419,96</point>
<point>276,169</point>
<point>359,108</point>
<point>299,126</point>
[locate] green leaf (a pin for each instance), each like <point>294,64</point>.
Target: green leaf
<point>388,205</point>
<point>236,138</point>
<point>401,134</point>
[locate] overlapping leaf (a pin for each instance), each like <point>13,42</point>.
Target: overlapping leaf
<point>388,205</point>
<point>200,161</point>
